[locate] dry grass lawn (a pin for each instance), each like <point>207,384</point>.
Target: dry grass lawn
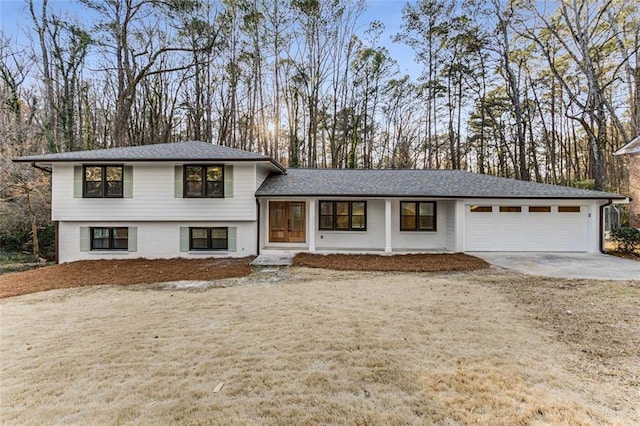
<point>310,346</point>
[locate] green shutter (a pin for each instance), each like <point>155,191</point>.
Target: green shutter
<point>127,189</point>
<point>77,181</point>
<point>178,182</point>
<point>85,238</point>
<point>184,238</point>
<point>232,239</point>
<point>228,181</point>
<point>133,239</point>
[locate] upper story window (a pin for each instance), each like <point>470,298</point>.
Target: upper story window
<point>417,215</point>
<point>103,181</point>
<point>343,216</point>
<point>204,181</point>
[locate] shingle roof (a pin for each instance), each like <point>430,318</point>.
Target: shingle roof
<point>178,151</point>
<point>413,183</point>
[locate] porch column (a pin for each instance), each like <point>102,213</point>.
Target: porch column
<point>387,226</point>
<point>311,225</point>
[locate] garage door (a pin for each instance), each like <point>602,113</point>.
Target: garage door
<point>524,228</point>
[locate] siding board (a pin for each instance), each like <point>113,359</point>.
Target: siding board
<point>154,198</point>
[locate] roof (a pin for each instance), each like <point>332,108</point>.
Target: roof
<point>631,148</point>
<point>414,183</point>
<point>178,151</point>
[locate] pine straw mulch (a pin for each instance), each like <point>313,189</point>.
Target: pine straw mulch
<point>121,272</point>
<point>145,271</point>
<point>400,263</point>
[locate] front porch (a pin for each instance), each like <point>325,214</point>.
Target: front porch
<point>358,225</point>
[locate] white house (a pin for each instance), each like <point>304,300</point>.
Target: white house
<point>192,199</point>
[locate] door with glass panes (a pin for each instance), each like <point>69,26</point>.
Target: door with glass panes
<point>287,222</point>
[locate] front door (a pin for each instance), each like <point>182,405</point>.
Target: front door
<point>286,222</point>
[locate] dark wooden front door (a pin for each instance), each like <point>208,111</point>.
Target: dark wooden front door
<point>287,222</point>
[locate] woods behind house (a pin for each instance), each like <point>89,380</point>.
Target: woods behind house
<point>542,91</point>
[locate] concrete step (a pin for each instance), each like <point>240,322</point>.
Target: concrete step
<point>274,259</point>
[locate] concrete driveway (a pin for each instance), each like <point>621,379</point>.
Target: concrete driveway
<point>565,265</point>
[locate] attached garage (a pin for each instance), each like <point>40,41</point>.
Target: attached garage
<point>509,227</point>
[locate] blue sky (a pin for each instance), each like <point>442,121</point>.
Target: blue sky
<point>14,19</point>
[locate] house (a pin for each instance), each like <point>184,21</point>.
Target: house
<point>632,152</point>
<point>192,199</point>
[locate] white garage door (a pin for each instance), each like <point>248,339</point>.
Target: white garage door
<point>524,228</point>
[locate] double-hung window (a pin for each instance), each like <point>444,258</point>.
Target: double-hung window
<point>109,238</point>
<point>417,215</point>
<point>206,181</point>
<point>103,181</point>
<point>343,216</point>
<point>208,239</point>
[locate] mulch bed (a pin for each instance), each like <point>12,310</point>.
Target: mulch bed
<point>145,271</point>
<point>121,272</point>
<point>402,263</point>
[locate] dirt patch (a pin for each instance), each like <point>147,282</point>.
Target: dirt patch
<point>121,272</point>
<point>401,263</point>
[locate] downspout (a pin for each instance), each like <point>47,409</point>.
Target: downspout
<point>602,250</point>
<point>258,234</point>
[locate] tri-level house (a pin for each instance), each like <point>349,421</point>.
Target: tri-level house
<point>193,199</point>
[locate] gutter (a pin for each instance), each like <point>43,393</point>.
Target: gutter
<point>602,250</point>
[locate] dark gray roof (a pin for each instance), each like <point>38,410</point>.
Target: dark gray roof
<point>413,183</point>
<point>179,151</point>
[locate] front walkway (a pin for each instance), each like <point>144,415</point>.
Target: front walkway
<point>566,265</point>
<point>274,259</point>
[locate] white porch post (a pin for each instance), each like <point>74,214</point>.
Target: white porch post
<point>387,226</point>
<point>311,225</point>
<point>460,226</point>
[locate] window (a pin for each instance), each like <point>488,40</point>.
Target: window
<point>481,209</point>
<point>510,209</point>
<point>343,216</point>
<point>102,181</point>
<point>568,209</point>
<point>208,239</point>
<point>109,238</point>
<point>539,209</point>
<point>417,215</point>
<point>204,181</point>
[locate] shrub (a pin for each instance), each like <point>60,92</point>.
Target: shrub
<point>627,239</point>
<point>585,184</point>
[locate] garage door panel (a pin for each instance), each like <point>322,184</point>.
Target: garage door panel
<point>524,231</point>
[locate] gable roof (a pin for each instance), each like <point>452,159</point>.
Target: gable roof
<point>631,148</point>
<point>178,151</point>
<point>414,183</point>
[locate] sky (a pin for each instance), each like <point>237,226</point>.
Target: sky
<point>14,19</point>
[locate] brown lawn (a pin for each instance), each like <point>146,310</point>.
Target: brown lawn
<point>315,346</point>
